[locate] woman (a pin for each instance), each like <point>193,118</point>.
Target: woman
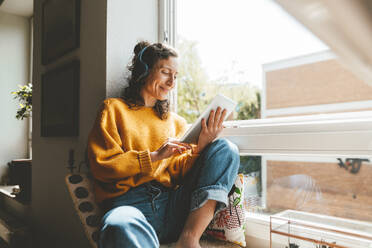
<point>154,188</point>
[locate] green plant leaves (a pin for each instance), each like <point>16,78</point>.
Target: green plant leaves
<point>24,96</point>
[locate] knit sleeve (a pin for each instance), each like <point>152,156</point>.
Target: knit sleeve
<point>179,165</point>
<point>108,161</point>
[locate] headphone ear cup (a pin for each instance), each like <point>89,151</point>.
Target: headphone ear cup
<point>146,72</point>
<point>146,68</point>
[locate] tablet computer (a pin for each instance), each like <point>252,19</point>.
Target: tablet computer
<point>192,134</point>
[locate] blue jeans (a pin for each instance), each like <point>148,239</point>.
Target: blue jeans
<point>151,213</point>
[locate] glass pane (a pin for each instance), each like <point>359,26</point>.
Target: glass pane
<point>261,57</point>
<point>250,166</point>
<point>292,186</point>
<point>305,194</point>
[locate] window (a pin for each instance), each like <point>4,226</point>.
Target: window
<point>303,121</point>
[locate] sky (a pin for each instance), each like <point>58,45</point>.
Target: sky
<point>241,35</point>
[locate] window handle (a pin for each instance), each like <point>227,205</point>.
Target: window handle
<point>165,36</point>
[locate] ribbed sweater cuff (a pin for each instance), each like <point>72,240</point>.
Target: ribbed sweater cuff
<point>145,162</point>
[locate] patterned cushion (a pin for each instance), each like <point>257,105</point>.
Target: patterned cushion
<point>229,223</point>
<point>80,187</point>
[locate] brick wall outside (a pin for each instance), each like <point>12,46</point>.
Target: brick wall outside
<point>322,82</point>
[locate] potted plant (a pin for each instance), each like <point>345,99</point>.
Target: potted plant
<point>24,95</point>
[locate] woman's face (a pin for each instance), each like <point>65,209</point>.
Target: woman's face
<point>161,80</point>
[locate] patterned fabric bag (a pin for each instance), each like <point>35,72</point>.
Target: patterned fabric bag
<point>229,223</point>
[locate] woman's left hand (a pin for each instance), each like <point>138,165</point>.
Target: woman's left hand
<point>210,131</point>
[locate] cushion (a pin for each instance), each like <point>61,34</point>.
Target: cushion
<point>229,223</point>
<point>80,187</point>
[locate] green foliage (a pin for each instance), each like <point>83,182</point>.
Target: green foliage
<point>250,110</point>
<point>249,164</point>
<point>24,96</point>
<point>192,81</point>
<point>196,90</point>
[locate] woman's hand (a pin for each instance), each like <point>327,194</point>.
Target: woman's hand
<point>169,148</point>
<point>212,130</point>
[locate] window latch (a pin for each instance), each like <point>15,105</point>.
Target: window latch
<point>165,36</point>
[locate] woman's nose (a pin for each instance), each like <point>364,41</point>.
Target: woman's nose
<point>172,80</point>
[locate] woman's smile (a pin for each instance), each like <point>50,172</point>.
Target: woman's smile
<point>164,89</point>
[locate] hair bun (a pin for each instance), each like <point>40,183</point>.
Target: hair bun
<point>140,45</point>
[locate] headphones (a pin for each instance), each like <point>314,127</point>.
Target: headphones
<point>140,59</point>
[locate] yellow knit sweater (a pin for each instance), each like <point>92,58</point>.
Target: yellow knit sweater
<point>119,147</point>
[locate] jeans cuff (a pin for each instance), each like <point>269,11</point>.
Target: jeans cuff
<point>215,192</point>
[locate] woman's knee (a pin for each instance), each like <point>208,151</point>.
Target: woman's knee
<point>123,217</point>
<point>227,147</point>
<point>127,225</point>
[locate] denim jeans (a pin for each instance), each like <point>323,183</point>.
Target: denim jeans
<point>151,213</point>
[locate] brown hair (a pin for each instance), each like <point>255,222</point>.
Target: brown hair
<point>146,55</point>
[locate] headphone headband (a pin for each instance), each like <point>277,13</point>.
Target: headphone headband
<point>140,58</point>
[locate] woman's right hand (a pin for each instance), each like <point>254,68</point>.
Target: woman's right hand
<point>169,148</point>
<point>212,129</point>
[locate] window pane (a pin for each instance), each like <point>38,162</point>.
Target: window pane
<point>258,55</point>
<point>250,166</point>
<point>338,187</point>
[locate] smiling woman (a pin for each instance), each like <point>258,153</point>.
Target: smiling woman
<point>152,187</point>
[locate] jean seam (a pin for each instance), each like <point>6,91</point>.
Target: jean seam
<point>154,192</point>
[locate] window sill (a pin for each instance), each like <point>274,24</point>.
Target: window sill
<point>8,190</point>
<point>258,228</point>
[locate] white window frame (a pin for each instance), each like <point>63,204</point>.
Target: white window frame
<point>340,135</point>
<point>167,34</point>
<point>29,138</point>
<point>323,135</point>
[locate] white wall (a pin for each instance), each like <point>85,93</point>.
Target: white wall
<point>52,217</point>
<point>14,71</point>
<point>127,23</point>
